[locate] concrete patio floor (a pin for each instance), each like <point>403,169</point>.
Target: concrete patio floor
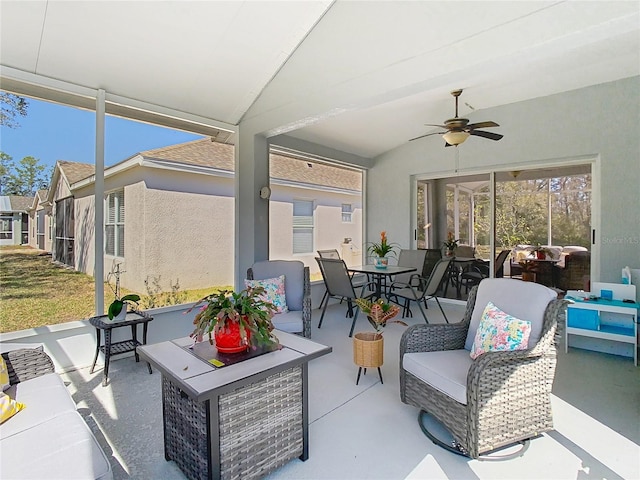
<point>365,432</point>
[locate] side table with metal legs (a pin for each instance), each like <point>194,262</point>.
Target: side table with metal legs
<point>110,348</point>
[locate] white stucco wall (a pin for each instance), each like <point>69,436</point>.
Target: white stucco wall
<point>179,226</point>
<point>329,230</point>
<point>600,122</point>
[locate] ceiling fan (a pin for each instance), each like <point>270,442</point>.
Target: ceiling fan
<point>459,129</point>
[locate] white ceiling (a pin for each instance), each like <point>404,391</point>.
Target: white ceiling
<point>361,77</point>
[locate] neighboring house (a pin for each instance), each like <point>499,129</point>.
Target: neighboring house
<point>14,219</point>
<point>169,214</point>
<point>40,224</point>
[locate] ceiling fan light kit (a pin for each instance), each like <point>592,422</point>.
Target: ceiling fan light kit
<point>455,138</point>
<point>459,129</point>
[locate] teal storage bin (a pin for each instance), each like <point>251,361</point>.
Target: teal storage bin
<point>580,318</point>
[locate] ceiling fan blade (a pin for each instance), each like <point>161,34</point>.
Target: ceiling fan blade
<point>426,135</point>
<point>487,124</point>
<point>489,135</point>
<point>432,125</point>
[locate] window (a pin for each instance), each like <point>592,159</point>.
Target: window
<point>302,226</point>
<point>114,224</point>
<point>6,228</point>
<point>346,212</point>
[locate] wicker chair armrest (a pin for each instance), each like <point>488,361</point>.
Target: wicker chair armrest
<point>433,337</point>
<point>494,371</point>
<point>306,304</point>
<point>26,363</point>
<point>306,316</point>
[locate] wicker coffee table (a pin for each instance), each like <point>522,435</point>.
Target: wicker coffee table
<point>239,421</point>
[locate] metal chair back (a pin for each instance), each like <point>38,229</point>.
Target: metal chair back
<point>500,259</point>
<point>436,277</point>
<point>431,258</point>
<point>332,253</point>
<point>410,258</point>
<point>336,277</point>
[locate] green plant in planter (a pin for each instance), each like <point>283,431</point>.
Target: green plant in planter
<point>379,313</point>
<point>120,302</point>
<point>383,248</point>
<point>451,243</point>
<point>246,307</point>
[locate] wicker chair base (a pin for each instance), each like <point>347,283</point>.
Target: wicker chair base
<point>446,441</point>
<point>260,428</point>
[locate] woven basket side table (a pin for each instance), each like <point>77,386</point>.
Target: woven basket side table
<point>368,352</point>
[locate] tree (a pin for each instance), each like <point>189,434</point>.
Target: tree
<point>22,178</point>
<point>12,106</point>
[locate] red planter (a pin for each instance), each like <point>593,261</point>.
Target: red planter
<point>229,339</point>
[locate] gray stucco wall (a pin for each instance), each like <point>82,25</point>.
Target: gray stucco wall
<point>600,122</point>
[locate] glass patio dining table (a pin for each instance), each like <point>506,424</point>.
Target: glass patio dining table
<point>379,274</point>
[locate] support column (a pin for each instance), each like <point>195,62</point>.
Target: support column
<point>99,204</point>
<point>251,211</point>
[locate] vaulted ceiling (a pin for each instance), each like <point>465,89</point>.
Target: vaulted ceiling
<point>360,77</point>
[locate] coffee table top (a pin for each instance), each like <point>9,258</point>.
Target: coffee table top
<point>202,380</point>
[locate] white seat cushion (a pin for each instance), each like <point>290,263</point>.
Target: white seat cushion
<point>44,397</point>
<point>444,370</point>
<point>60,448</point>
<point>290,322</point>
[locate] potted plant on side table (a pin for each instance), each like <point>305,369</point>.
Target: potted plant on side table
<point>236,321</point>
<point>368,347</point>
<point>118,308</point>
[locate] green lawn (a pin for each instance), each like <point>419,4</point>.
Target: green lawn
<point>35,292</point>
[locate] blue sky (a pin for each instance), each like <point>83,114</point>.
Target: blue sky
<point>52,132</point>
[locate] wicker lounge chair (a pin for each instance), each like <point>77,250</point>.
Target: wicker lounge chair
<point>500,397</point>
<point>576,272</point>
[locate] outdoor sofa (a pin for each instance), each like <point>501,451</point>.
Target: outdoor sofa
<point>47,438</point>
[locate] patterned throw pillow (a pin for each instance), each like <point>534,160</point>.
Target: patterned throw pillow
<point>273,291</point>
<point>8,407</point>
<point>499,331</point>
<point>4,374</point>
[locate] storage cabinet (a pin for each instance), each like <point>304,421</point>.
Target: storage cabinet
<point>607,319</point>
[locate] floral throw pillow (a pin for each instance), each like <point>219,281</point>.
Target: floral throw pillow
<point>499,331</point>
<point>273,291</point>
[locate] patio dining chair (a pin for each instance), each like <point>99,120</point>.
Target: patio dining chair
<point>410,258</point>
<point>297,286</point>
<point>338,282</point>
<point>479,270</point>
<point>432,257</point>
<point>483,391</point>
<point>420,290</point>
